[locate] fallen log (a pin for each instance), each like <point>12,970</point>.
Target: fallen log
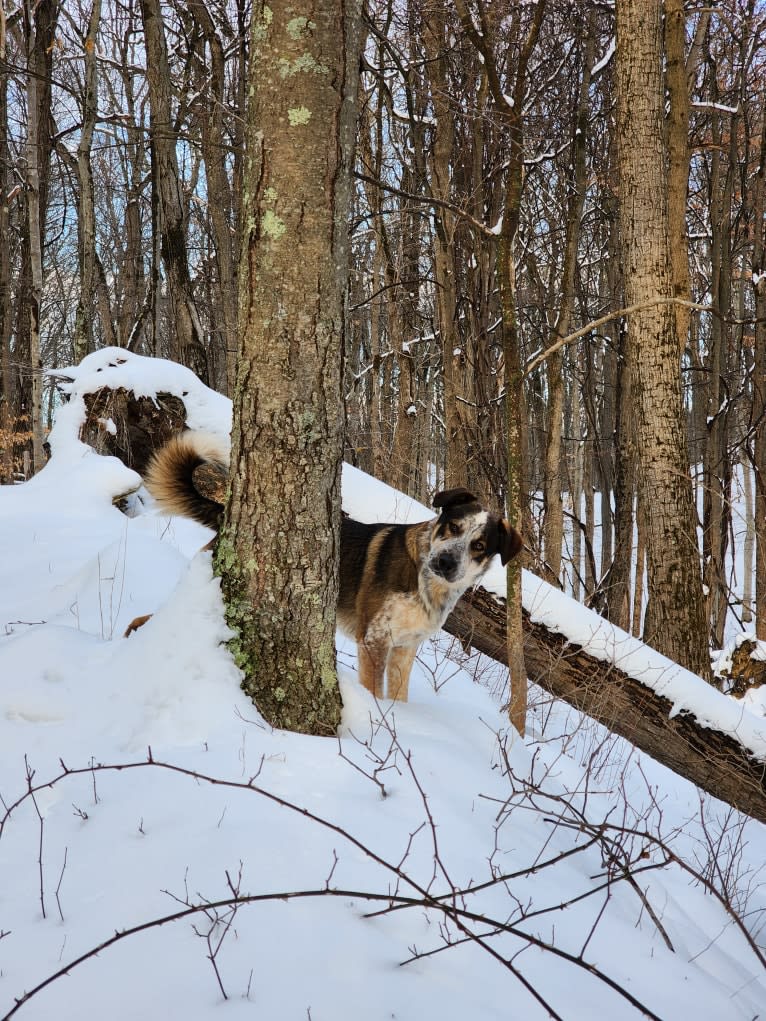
<point>714,761</point>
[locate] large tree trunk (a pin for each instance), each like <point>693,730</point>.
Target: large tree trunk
<point>712,760</point>
<point>675,618</point>
<point>278,546</point>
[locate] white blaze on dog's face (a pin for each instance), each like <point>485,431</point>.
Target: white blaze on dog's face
<point>464,539</point>
<point>462,547</point>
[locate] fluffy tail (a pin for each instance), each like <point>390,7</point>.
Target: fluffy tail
<point>189,475</point>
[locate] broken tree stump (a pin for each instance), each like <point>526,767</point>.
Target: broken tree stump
<point>130,427</point>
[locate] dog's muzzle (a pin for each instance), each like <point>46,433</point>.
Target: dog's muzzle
<point>445,565</point>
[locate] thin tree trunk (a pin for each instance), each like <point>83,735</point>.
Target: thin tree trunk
<point>184,319</point>
<point>748,549</point>
<point>640,569</point>
<point>575,483</point>
<point>135,305</point>
<point>7,401</point>
<point>716,463</point>
<point>758,412</point>
<point>614,596</point>
<point>553,519</point>
<point>510,112</point>
<point>40,32</point>
<point>86,215</point>
<point>219,191</point>
<point>436,43</point>
<point>678,159</point>
<point>372,154</point>
<point>378,451</point>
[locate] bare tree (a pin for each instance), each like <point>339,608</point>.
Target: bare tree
<point>189,345</point>
<point>7,403</point>
<point>675,619</point>
<point>86,215</point>
<point>508,102</point>
<point>758,411</point>
<point>553,522</point>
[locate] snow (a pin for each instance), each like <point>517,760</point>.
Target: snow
<point>137,778</point>
<point>604,61</point>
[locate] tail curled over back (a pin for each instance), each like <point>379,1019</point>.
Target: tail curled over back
<point>189,476</point>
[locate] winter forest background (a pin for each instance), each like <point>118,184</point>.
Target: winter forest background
<point>161,843</point>
<point>121,154</point>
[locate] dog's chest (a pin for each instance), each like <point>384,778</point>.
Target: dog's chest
<point>404,619</point>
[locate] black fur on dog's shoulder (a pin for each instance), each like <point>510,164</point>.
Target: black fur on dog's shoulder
<point>386,561</point>
<point>188,477</point>
<point>377,562</point>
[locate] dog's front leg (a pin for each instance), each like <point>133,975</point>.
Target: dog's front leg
<point>400,662</point>
<point>372,657</point>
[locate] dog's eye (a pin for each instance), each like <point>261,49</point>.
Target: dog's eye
<point>478,546</point>
<point>453,528</point>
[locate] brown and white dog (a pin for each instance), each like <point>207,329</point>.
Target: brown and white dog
<point>398,583</point>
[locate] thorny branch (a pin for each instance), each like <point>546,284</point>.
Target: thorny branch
<point>623,846</point>
<point>471,925</point>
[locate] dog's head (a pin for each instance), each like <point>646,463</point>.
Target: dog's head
<point>465,537</point>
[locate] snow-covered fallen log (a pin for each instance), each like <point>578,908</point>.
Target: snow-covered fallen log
<point>720,763</point>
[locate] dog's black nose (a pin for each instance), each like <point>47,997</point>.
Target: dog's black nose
<point>445,565</point>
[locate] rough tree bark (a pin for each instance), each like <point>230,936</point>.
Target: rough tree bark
<point>6,311</point>
<point>675,617</point>
<point>40,30</point>
<point>278,546</point>
<point>678,159</point>
<point>214,154</point>
<point>436,34</point>
<point>758,413</point>
<point>716,461</point>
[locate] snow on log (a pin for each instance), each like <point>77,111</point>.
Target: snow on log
<point>718,762</point>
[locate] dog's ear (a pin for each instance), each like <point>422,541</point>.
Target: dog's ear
<point>450,498</point>
<point>509,542</point>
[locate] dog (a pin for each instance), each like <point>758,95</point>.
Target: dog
<point>397,583</point>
